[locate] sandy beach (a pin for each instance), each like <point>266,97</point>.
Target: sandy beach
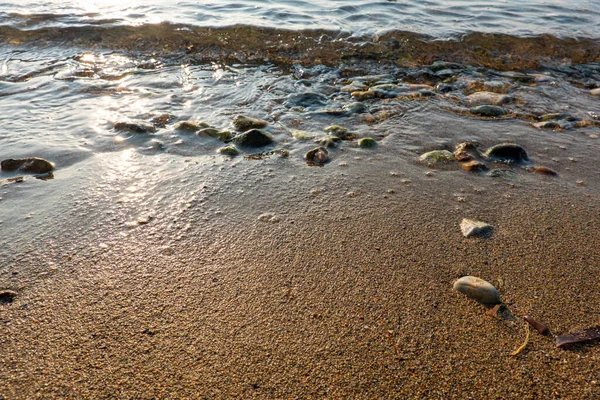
<point>315,285</point>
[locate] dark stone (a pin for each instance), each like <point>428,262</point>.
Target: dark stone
<point>253,138</point>
<point>507,152</point>
<point>317,156</point>
<point>134,127</point>
<point>306,100</point>
<point>243,123</point>
<point>32,165</point>
<point>488,111</point>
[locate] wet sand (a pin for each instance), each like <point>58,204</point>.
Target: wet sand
<point>349,295</point>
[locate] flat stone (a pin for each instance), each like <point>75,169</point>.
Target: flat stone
<point>507,152</point>
<point>542,170</point>
<point>470,227</point>
<point>31,165</point>
<point>253,138</point>
<point>243,123</point>
<point>488,98</point>
<point>488,111</point>
<point>477,289</point>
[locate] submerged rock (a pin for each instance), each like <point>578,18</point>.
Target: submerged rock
<point>367,143</point>
<point>319,156</point>
<point>328,141</point>
<point>507,152</point>
<point>31,165</point>
<point>229,151</point>
<point>437,156</point>
<point>470,227</point>
<point>362,95</point>
<point>302,135</point>
<point>135,126</point>
<point>191,126</point>
<point>488,111</point>
<point>477,289</point>
<point>243,123</point>
<point>488,98</point>
<point>356,108</point>
<point>222,135</point>
<point>253,138</point>
<point>306,100</point>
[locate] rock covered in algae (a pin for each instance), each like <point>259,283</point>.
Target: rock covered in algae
<point>32,165</point>
<point>507,152</point>
<point>367,143</point>
<point>253,138</point>
<point>243,123</point>
<point>228,151</point>
<point>191,126</point>
<point>477,289</point>
<point>318,155</point>
<point>437,156</point>
<point>486,110</point>
<point>222,135</point>
<point>471,227</point>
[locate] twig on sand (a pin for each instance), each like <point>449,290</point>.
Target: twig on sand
<point>520,349</point>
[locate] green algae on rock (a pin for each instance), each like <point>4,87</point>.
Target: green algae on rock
<point>507,152</point>
<point>222,135</point>
<point>243,123</point>
<point>477,289</point>
<point>437,156</point>
<point>230,150</point>
<point>31,165</point>
<point>253,138</point>
<point>367,143</point>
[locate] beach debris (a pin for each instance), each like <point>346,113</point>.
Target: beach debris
<point>317,156</point>
<point>32,165</point>
<point>253,138</point>
<point>367,143</point>
<point>538,326</point>
<point>477,289</point>
<point>587,335</point>
<point>507,152</point>
<point>488,98</point>
<point>486,110</point>
<point>7,296</point>
<point>437,156</point>
<point>522,347</point>
<point>228,151</point>
<point>191,126</point>
<point>243,123</point>
<point>471,227</point>
<point>134,126</point>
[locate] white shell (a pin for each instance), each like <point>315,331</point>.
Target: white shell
<point>477,289</point>
<point>470,227</point>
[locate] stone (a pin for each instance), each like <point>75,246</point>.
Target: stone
<point>473,166</point>
<point>548,125</point>
<point>134,127</point>
<point>191,126</point>
<point>243,123</point>
<point>466,151</point>
<point>470,227</point>
<point>302,135</point>
<point>306,100</point>
<point>340,132</point>
<point>507,152</point>
<point>253,138</point>
<point>367,143</point>
<point>356,108</point>
<point>228,151</point>
<point>487,111</point>
<point>542,170</point>
<point>318,155</point>
<point>437,156</point>
<point>328,141</point>
<point>595,92</point>
<point>222,135</point>
<point>362,95</point>
<point>161,121</point>
<point>7,296</point>
<point>31,165</point>
<point>488,98</point>
<point>477,289</point>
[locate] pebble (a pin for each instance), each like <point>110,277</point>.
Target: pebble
<point>134,126</point>
<point>32,165</point>
<point>356,108</point>
<point>466,151</point>
<point>191,126</point>
<point>222,135</point>
<point>229,151</point>
<point>340,132</point>
<point>318,155</point>
<point>488,111</point>
<point>470,227</point>
<point>595,92</point>
<point>542,170</point>
<point>473,165</point>
<point>437,156</point>
<point>488,98</point>
<point>253,138</point>
<point>306,100</point>
<point>362,95</point>
<point>243,123</point>
<point>328,141</point>
<point>367,143</point>
<point>477,289</point>
<point>507,152</point>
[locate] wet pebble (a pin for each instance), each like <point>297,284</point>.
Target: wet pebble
<point>328,141</point>
<point>228,151</point>
<point>466,151</point>
<point>134,127</point>
<point>488,98</point>
<point>318,155</point>
<point>356,108</point>
<point>477,289</point>
<point>471,227</point>
<point>253,138</point>
<point>243,123</point>
<point>542,170</point>
<point>473,165</point>
<point>306,100</point>
<point>191,126</point>
<point>367,143</point>
<point>32,165</point>
<point>340,132</point>
<point>487,111</point>
<point>507,152</point>
<point>437,156</point>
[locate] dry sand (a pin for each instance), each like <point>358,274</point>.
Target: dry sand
<point>348,296</point>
